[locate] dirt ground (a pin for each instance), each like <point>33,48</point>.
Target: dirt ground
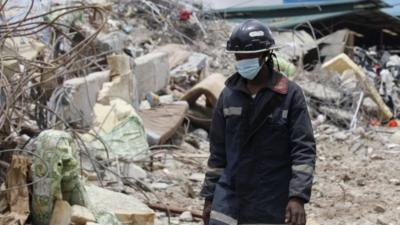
<point>356,186</point>
<point>356,180</point>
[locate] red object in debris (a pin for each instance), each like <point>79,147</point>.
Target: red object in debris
<point>393,123</point>
<point>185,14</point>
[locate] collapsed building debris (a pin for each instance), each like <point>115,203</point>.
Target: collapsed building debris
<point>111,102</point>
<point>343,62</point>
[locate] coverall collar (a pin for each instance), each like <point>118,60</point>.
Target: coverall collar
<point>277,83</point>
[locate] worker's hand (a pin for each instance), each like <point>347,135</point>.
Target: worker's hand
<point>295,213</point>
<point>207,211</point>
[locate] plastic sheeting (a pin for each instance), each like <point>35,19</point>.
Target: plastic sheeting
<point>120,131</point>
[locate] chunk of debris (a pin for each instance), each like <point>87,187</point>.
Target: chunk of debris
<point>342,63</point>
<point>123,82</point>
<point>162,122</point>
<point>199,177</point>
<point>196,65</point>
<point>129,210</point>
<point>81,215</point>
<point>152,73</point>
<point>320,91</point>
<point>177,54</point>
<point>61,213</point>
<point>17,199</point>
<point>211,87</point>
<point>69,103</point>
<point>186,216</point>
<point>121,128</point>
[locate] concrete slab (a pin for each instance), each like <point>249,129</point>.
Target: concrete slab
<point>152,73</point>
<point>83,95</point>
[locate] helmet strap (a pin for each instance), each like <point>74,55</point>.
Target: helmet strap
<point>272,54</point>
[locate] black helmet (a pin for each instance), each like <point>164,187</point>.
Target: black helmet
<point>251,36</point>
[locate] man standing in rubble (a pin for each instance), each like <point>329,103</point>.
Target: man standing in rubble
<point>262,160</point>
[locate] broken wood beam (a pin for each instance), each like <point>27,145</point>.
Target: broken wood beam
<point>342,63</point>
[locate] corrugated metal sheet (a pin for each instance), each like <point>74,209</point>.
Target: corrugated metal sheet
<point>289,4</point>
<point>286,22</point>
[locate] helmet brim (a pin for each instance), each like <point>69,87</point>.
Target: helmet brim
<point>254,51</point>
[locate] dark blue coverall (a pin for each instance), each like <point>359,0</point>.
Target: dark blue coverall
<point>262,152</point>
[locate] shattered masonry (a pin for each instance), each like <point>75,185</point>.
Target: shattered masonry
<point>105,108</point>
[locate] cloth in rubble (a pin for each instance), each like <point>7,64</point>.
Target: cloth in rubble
<point>58,149</point>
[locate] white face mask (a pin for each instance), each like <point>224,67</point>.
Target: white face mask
<point>248,68</point>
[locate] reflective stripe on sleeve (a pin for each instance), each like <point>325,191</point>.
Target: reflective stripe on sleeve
<point>223,218</point>
<point>303,168</point>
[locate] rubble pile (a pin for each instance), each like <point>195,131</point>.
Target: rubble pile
<point>105,108</point>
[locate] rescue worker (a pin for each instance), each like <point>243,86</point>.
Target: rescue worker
<point>262,147</point>
<point>386,85</point>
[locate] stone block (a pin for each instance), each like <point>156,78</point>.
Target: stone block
<point>81,215</point>
<point>82,97</point>
<point>152,73</point>
<point>127,208</point>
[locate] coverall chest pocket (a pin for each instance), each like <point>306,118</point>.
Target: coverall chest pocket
<point>274,140</point>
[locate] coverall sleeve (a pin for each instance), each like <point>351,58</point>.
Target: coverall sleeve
<point>303,148</point>
<point>217,159</point>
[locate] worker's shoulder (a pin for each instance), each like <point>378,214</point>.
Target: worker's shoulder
<point>226,91</point>
<point>294,87</point>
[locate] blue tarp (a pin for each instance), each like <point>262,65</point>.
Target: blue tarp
<point>395,10</point>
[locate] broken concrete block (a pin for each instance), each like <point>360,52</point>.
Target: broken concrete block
<point>109,41</point>
<point>133,170</point>
<point>395,138</point>
<point>177,54</point>
<point>186,217</point>
<point>106,218</point>
<point>320,91</point>
<point>370,107</point>
<point>81,215</point>
<point>127,208</point>
<point>311,221</point>
<point>198,177</point>
<point>119,65</point>
<point>162,122</point>
<point>159,186</point>
<point>61,213</point>
<point>337,116</point>
<point>113,41</point>
<point>197,63</point>
<point>200,133</point>
<point>123,84</point>
<point>152,73</point>
<point>82,97</point>
<point>141,34</point>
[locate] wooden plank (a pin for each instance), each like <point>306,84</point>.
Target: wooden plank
<point>342,63</point>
